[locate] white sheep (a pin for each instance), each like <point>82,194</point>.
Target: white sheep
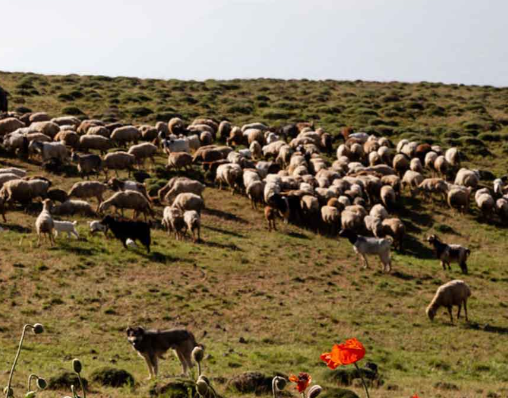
<point>44,223</point>
<point>66,226</point>
<point>189,201</point>
<point>193,222</point>
<point>453,293</point>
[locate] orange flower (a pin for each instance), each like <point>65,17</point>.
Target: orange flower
<point>344,354</point>
<point>302,381</point>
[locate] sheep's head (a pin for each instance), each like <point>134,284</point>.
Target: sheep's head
<point>431,312</point>
<point>463,267</point>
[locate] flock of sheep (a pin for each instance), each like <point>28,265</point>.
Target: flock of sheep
<point>286,170</point>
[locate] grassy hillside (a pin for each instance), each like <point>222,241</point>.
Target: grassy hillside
<point>268,301</point>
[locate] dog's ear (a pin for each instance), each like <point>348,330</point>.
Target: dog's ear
<point>140,330</point>
<point>129,330</point>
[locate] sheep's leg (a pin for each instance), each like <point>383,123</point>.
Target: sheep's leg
<point>274,225</point>
<point>465,309</point>
<point>449,308</point>
<point>458,312</point>
<point>443,265</point>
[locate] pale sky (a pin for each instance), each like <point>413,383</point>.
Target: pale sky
<point>451,41</point>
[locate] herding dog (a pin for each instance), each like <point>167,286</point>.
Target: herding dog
<point>152,344</point>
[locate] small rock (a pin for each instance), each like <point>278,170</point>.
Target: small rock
<point>242,340</point>
<point>112,377</point>
<point>443,385</point>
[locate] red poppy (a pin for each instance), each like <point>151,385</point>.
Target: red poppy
<point>344,354</point>
<point>302,381</point>
<point>415,396</point>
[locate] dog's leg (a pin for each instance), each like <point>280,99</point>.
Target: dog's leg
<point>149,364</point>
<point>182,359</point>
<point>155,365</point>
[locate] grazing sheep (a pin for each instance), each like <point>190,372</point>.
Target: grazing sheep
<point>47,128</point>
<point>178,160</point>
<point>50,150</point>
<point>89,189</point>
<point>57,195</point>
<point>44,223</point>
<point>450,253</point>
<point>66,226</point>
<point>71,207</point>
<point>193,221</point>
<point>87,164</point>
<point>4,177</point>
<point>255,192</point>
<point>453,293</point>
<point>364,246</point>
<point>502,209</point>
<point>331,217</point>
<point>189,201</point>
<point>395,228</point>
<point>431,186</point>
<point>388,197</point>
<point>124,230</point>
<point>123,135</point>
<point>485,203</point>
<point>128,200</point>
<point>378,211</point>
<point>459,198</point>
<point>176,126</point>
<point>118,185</point>
<point>143,151</point>
<point>467,178</point>
<point>99,130</point>
<point>118,161</point>
<point>23,191</point>
<point>9,125</point>
<point>430,159</point>
<point>452,156</point>
<point>498,187</point>
<point>175,145</point>
<point>400,164</point>
<point>229,174</point>
<point>412,180</point>
<point>351,220</point>
<point>67,121</point>
<point>97,142</point>
<point>224,130</point>
<point>183,185</point>
<point>416,165</point>
<point>441,166</point>
<point>68,137</point>
<point>173,221</point>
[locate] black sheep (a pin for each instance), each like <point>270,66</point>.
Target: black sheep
<point>134,230</point>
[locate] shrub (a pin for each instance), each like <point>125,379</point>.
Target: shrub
<point>490,137</point>
<point>140,111</point>
<point>72,111</point>
<point>112,377</point>
<point>276,114</point>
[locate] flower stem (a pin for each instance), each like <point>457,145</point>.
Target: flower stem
<point>81,384</point>
<point>273,387</point>
<point>199,369</point>
<point>30,381</point>
<point>363,380</point>
<point>16,360</point>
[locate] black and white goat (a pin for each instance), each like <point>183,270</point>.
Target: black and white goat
<point>365,246</point>
<point>450,253</point>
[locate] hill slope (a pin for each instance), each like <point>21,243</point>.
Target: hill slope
<point>269,301</point>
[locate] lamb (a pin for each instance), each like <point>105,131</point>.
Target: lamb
<point>65,226</point>
<point>98,142</point>
<point>125,134</point>
<point>459,198</point>
<point>118,161</point>
<point>173,221</point>
<point>450,253</point>
<point>179,160</point>
<point>193,221</point>
<point>71,207</point>
<point>453,293</point>
<point>89,189</point>
<point>124,230</point>
<point>189,201</point>
<point>364,246</point>
<point>97,226</point>
<point>143,151</point>
<point>44,223</point>
<point>128,200</point>
<point>87,164</point>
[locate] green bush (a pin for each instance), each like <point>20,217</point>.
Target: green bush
<point>72,111</point>
<point>490,137</point>
<point>139,111</point>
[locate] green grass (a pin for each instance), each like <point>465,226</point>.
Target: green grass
<point>289,294</point>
